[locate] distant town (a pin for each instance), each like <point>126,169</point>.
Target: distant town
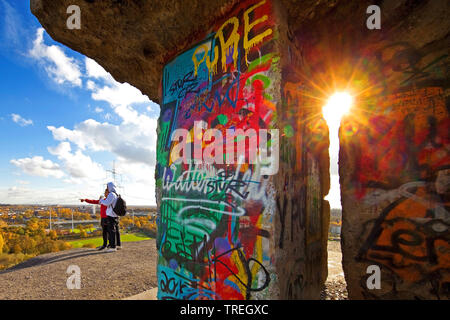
<point>29,230</point>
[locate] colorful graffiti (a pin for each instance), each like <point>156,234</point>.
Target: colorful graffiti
<point>403,166</point>
<point>214,222</point>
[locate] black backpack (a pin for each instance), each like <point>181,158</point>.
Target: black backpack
<point>121,206</point>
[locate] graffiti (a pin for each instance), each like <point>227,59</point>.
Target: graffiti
<point>407,176</point>
<point>209,180</point>
<point>406,145</point>
<point>411,237</point>
<point>182,87</point>
<point>289,208</point>
<point>215,216</point>
<point>408,62</point>
<point>235,148</point>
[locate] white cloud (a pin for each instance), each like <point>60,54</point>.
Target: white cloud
<point>117,94</point>
<point>134,141</point>
<point>94,70</point>
<point>57,64</point>
<point>77,165</point>
<point>90,85</point>
<point>111,91</point>
<point>138,181</point>
<point>21,121</point>
<point>130,140</point>
<point>37,166</point>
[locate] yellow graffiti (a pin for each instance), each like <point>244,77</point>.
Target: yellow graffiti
<point>231,45</point>
<point>194,56</point>
<point>212,66</point>
<point>242,274</point>
<point>258,250</point>
<point>248,44</point>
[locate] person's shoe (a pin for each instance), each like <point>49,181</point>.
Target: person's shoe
<point>101,248</point>
<point>119,247</point>
<point>111,250</point>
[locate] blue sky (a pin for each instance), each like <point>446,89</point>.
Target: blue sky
<point>64,120</point>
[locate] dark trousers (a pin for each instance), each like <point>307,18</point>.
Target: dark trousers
<point>117,232</point>
<point>112,230</point>
<point>103,223</point>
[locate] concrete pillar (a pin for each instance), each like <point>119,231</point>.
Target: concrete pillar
<point>394,160</point>
<point>235,231</point>
<point>395,182</point>
<point>394,153</point>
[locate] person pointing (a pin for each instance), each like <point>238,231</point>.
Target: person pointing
<point>111,216</point>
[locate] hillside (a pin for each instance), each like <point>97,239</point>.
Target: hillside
<point>118,275</point>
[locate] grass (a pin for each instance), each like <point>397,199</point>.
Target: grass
<point>96,242</point>
<point>9,260</point>
<point>87,230</point>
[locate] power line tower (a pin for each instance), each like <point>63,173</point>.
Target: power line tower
<point>114,174</point>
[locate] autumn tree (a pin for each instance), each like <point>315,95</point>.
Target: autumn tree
<point>2,242</point>
<point>53,234</point>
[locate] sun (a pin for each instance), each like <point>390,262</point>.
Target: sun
<point>337,106</point>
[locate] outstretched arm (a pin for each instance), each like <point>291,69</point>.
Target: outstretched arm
<point>92,201</point>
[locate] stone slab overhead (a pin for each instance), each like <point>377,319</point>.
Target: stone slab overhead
<point>132,39</point>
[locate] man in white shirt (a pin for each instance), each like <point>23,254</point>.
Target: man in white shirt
<point>111,216</point>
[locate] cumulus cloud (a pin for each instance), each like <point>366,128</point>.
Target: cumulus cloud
<point>59,67</point>
<point>21,121</point>
<point>138,181</point>
<point>77,164</point>
<point>116,94</point>
<point>128,132</point>
<point>38,166</point>
<point>128,140</point>
<point>134,139</point>
<point>94,70</point>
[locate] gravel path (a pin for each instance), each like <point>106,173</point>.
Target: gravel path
<point>117,275</point>
<point>335,286</point>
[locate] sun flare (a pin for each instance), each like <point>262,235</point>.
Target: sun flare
<point>337,106</point>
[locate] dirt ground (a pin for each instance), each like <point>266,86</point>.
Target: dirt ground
<point>335,286</point>
<point>104,276</point>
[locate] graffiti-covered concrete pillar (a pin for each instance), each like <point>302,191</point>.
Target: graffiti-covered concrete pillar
<point>396,187</point>
<point>394,161</point>
<point>231,229</point>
